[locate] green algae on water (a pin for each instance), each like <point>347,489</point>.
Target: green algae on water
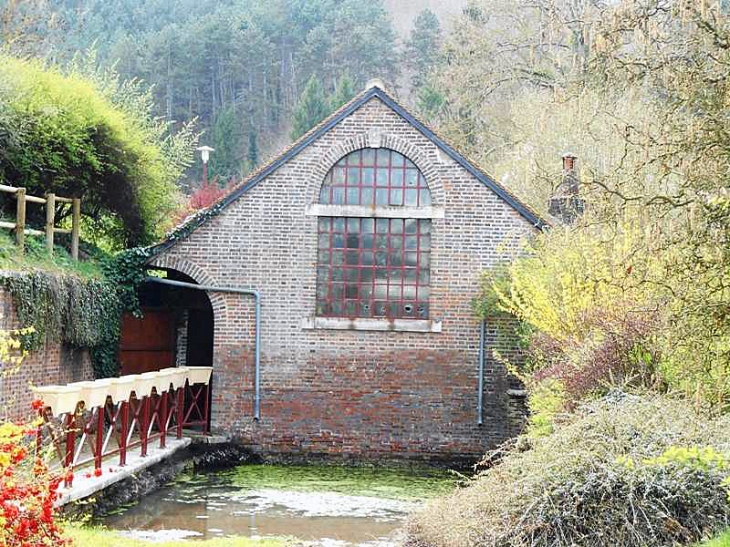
<point>390,483</point>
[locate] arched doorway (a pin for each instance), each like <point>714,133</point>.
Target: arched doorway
<point>176,328</point>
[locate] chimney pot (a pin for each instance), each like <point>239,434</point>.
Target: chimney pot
<point>569,162</point>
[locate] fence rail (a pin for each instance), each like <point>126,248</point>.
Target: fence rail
<point>22,198</point>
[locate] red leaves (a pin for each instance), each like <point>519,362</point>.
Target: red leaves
<point>27,491</point>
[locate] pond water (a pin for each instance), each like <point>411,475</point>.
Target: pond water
<point>336,506</point>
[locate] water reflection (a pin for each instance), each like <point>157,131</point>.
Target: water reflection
<point>306,506</point>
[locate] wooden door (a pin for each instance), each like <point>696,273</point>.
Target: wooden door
<point>147,344</point>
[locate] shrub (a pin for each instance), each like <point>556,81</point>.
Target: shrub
<point>574,487</point>
<point>93,136</point>
<point>604,306</point>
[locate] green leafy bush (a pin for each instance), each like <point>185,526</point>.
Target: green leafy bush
<point>602,306</point>
<point>574,487</point>
<point>90,135</point>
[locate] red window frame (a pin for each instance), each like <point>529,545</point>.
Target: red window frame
<point>373,268</point>
<point>375,177</point>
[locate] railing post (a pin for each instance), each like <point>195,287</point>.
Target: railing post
<point>75,227</point>
<point>99,439</point>
<point>124,431</point>
<point>50,221</point>
<point>20,219</point>
<point>144,424</point>
<point>163,418</point>
<point>179,409</point>
<point>70,447</point>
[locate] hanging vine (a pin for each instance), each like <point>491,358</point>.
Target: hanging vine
<point>80,312</point>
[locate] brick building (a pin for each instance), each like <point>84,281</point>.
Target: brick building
<point>365,241</point>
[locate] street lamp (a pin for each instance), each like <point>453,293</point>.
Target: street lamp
<point>205,155</point>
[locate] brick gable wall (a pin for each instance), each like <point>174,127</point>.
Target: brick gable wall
<point>353,394</point>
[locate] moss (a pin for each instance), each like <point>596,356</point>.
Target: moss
<point>100,537</point>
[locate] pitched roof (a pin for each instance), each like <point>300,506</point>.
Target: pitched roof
<point>201,217</point>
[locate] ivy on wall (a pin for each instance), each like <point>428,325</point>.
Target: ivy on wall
<point>77,311</point>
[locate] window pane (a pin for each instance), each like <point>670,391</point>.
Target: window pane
<point>368,156</point>
<point>368,176</point>
<point>353,176</point>
<point>338,176</point>
<point>383,157</point>
<point>381,197</point>
<point>324,195</point>
<point>411,198</point>
<point>381,178</point>
<point>353,196</point>
<point>396,197</point>
<point>424,198</point>
<point>411,177</point>
<point>396,178</point>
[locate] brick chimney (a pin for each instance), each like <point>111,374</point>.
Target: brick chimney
<point>566,204</point>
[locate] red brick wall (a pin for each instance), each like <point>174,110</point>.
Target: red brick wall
<point>366,395</point>
<point>52,364</point>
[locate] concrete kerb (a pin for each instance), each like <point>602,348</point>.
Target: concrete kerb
<point>84,486</point>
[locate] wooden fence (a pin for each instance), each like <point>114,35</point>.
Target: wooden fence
<point>50,202</point>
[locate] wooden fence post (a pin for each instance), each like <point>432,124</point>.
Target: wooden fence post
<point>50,221</point>
<point>75,228</point>
<point>20,220</point>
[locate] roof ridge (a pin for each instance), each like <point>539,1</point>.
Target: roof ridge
<point>274,162</point>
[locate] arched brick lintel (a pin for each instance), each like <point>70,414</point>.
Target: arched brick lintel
<point>217,300</point>
<point>333,154</point>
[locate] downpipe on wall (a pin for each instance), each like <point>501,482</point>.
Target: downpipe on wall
<point>482,350</point>
<point>257,328</point>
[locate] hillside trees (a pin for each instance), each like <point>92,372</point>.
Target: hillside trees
<point>205,57</point>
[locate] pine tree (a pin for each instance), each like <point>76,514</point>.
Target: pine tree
<point>311,109</point>
<point>253,150</point>
<point>344,91</point>
<point>430,103</point>
<point>223,162</point>
<point>422,49</point>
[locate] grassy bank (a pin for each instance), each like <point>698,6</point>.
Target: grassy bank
<point>720,541</point>
<point>100,537</point>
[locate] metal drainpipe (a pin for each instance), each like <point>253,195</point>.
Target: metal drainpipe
<point>257,333</point>
<point>482,348</point>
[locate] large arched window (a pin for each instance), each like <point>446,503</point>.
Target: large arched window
<point>372,267</point>
<point>375,176</point>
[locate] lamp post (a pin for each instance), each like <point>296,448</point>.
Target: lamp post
<point>205,155</point>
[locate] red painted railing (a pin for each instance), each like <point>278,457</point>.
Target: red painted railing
<point>83,424</point>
